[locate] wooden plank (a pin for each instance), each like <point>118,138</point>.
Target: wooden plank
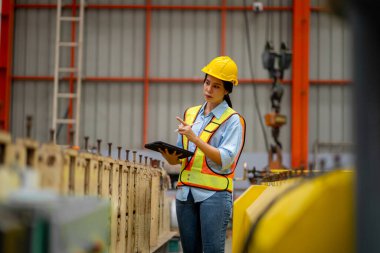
<point>15,155</point>
<point>79,176</point>
<point>31,147</point>
<point>105,178</point>
<point>164,206</point>
<point>115,206</point>
<point>49,164</point>
<point>122,216</point>
<point>9,178</point>
<point>155,191</point>
<point>100,160</point>
<point>147,208</point>
<point>131,208</point>
<point>91,174</point>
<point>166,214</point>
<point>67,173</point>
<point>161,213</point>
<point>140,210</point>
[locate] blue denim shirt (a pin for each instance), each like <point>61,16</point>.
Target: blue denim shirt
<point>227,139</point>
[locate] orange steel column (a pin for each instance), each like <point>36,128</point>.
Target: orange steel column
<point>300,84</point>
<point>146,71</point>
<point>6,53</point>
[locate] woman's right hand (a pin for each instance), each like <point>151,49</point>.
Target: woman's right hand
<point>171,158</point>
<point>185,129</point>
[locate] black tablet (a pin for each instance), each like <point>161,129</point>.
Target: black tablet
<point>171,148</point>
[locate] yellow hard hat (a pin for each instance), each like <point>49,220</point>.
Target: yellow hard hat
<point>224,68</point>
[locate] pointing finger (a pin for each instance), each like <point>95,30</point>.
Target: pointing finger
<point>181,120</point>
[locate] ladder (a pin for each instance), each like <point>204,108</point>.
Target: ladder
<point>58,95</point>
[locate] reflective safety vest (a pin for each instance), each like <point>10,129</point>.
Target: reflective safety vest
<point>195,170</point>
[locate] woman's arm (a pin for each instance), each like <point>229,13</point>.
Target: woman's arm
<point>211,152</point>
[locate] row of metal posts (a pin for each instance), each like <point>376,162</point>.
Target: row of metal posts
<point>140,212</point>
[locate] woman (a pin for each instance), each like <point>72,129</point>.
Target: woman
<point>215,133</point>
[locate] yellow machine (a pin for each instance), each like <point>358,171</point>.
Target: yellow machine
<point>309,214</point>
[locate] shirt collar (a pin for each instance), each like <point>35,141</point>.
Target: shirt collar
<point>217,111</point>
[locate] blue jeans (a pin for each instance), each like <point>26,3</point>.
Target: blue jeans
<point>202,225</point>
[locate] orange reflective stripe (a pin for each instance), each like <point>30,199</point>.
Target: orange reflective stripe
<point>205,181</point>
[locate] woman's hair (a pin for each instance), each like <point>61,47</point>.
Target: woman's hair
<point>228,86</point>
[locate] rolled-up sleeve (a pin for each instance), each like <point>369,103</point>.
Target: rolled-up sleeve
<point>230,143</point>
<point>179,141</point>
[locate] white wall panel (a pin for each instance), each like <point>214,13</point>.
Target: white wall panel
<point>330,115</point>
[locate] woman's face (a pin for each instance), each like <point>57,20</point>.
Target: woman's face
<point>213,90</point>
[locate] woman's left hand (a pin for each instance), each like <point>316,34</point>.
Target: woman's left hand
<point>185,129</point>
<point>171,158</point>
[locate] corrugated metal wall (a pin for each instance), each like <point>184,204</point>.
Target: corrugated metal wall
<point>34,41</point>
<point>330,111</point>
<point>182,42</point>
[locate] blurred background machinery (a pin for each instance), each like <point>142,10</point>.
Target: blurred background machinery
<point>44,222</point>
<point>56,199</point>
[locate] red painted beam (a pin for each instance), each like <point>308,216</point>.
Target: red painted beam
<point>330,82</point>
<point>300,83</point>
<point>319,9</point>
<point>158,7</point>
<point>43,6</point>
<point>115,79</point>
<point>148,14</point>
<point>6,56</point>
<point>174,80</point>
<point>188,7</point>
